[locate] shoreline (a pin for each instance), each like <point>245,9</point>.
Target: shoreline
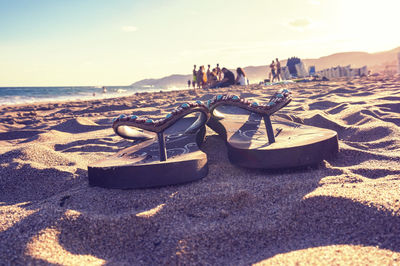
<point>40,104</point>
<point>114,94</point>
<point>99,95</point>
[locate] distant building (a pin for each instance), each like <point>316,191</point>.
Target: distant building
<point>339,71</point>
<point>398,63</point>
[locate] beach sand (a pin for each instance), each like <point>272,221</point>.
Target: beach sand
<point>346,210</point>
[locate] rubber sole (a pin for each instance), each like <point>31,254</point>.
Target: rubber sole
<point>151,175</point>
<point>139,166</point>
<point>306,146</point>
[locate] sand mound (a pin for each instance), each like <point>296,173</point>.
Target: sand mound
<point>324,121</point>
<point>328,255</point>
<point>322,105</point>
<point>36,172</point>
<point>78,125</point>
<point>19,134</point>
<point>38,154</point>
<point>29,182</point>
<point>368,134</point>
<point>49,136</point>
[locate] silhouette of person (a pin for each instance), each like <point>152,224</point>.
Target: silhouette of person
<point>241,78</point>
<point>278,70</point>
<point>273,74</point>
<point>194,76</point>
<point>219,73</point>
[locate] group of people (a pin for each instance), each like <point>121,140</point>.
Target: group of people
<point>275,70</point>
<point>217,77</point>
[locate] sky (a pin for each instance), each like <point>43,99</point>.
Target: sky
<point>118,42</point>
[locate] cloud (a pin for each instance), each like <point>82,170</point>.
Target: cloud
<point>314,2</point>
<point>129,28</point>
<point>300,23</point>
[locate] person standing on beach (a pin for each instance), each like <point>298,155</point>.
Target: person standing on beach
<point>208,75</point>
<point>278,69</point>
<point>194,77</point>
<point>219,73</point>
<point>201,77</point>
<point>272,67</point>
<point>189,83</point>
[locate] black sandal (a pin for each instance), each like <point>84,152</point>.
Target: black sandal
<point>254,141</point>
<point>170,155</point>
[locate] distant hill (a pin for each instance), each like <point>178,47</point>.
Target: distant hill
<point>175,80</point>
<point>376,62</point>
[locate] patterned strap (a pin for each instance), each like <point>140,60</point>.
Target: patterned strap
<point>122,124</point>
<point>162,124</point>
<point>279,100</point>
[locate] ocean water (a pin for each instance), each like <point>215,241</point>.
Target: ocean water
<point>17,95</point>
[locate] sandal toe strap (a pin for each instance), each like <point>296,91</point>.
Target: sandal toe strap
<point>124,125</point>
<point>279,100</point>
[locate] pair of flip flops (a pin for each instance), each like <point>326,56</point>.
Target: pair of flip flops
<point>167,150</point>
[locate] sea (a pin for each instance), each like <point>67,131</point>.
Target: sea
<point>20,95</point>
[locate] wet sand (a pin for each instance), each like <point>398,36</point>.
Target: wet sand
<point>345,210</point>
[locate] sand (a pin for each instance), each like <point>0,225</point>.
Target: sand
<point>345,210</point>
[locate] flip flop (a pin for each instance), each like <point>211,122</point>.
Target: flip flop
<point>167,154</point>
<point>254,141</point>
